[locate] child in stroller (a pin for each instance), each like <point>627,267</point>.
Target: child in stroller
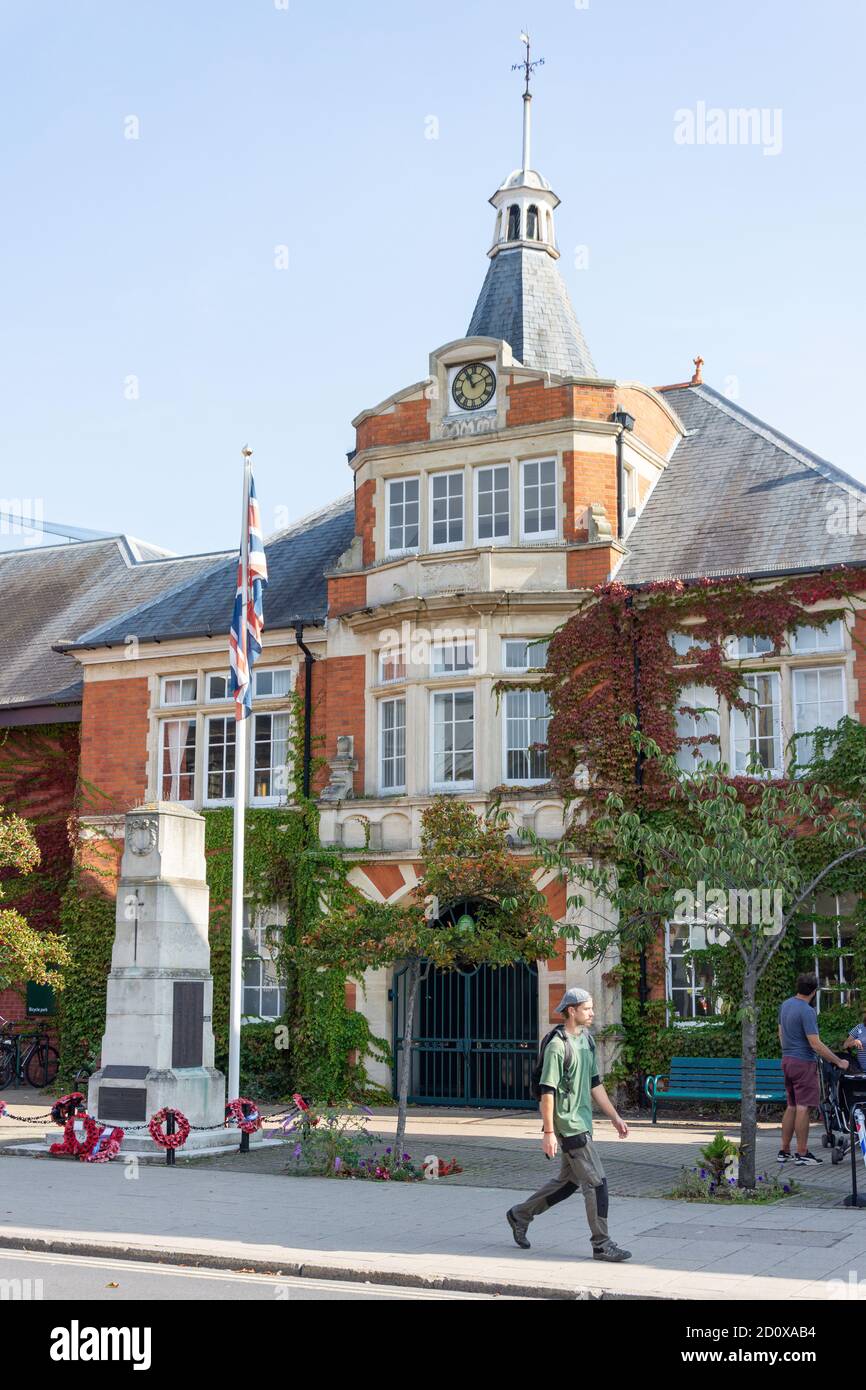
<point>834,1106</point>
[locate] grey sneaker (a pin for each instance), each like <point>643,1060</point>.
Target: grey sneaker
<point>518,1231</point>
<point>612,1253</point>
<point>806,1159</point>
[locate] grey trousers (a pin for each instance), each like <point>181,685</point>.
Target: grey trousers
<point>579,1169</point>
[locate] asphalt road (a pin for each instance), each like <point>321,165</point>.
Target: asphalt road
<point>47,1277</point>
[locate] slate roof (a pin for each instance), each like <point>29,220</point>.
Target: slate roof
<point>51,593</point>
<point>297,560</point>
<point>739,498</point>
<point>524,300</point>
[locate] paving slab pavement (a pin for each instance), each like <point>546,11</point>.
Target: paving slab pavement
<point>436,1233</point>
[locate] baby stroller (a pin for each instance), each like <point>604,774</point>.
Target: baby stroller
<point>834,1112</point>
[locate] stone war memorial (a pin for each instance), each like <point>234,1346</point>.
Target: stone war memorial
<point>158,1045</point>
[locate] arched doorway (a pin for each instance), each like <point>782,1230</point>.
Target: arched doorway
<point>475,1034</point>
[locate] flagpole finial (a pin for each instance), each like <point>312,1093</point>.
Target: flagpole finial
<point>247,451</point>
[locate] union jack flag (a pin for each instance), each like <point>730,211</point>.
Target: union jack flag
<point>248,622</point>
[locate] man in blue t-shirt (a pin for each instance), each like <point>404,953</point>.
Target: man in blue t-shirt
<point>798,1035</point>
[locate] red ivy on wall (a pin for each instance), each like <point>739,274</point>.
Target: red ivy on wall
<point>614,657</point>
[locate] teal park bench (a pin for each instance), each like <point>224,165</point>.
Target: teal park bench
<point>714,1078</point>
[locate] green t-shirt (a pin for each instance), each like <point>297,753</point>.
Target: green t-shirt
<point>572,1105</point>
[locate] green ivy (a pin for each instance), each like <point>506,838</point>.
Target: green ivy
<point>320,1046</point>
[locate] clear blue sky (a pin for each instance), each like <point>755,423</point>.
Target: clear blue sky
<point>262,126</point>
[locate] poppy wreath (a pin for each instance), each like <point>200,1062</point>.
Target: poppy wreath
<point>71,1144</point>
<point>66,1106</point>
<point>158,1134</point>
<point>247,1124</point>
<point>105,1148</point>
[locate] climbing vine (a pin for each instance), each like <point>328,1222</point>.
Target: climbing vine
<point>616,657</point>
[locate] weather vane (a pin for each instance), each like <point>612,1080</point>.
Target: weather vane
<point>527,67</point>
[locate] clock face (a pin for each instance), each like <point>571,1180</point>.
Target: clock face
<point>473,386</point>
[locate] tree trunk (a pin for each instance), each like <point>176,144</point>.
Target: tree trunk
<point>413,979</point>
<point>749,1109</point>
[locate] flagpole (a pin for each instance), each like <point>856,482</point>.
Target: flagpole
<point>237,953</point>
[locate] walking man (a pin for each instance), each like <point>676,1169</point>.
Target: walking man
<point>798,1035</point>
<point>569,1084</point>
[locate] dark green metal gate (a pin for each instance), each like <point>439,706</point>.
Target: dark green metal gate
<point>475,1035</point>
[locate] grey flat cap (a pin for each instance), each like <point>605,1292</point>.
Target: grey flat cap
<point>572,996</point>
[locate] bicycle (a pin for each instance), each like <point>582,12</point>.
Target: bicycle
<point>38,1065</point>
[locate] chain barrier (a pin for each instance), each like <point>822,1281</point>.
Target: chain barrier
<point>242,1113</point>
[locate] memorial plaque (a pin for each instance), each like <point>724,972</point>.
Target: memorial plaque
<point>123,1103</point>
<point>127,1073</point>
<point>188,1023</point>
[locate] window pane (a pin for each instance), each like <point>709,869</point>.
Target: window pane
<point>756,731</point>
<point>453,737</point>
<point>393,744</point>
<point>179,690</point>
<point>447,508</point>
<point>218,687</point>
<point>178,759</point>
<point>819,702</point>
<point>539,497</point>
<point>814,639</point>
<point>493,503</point>
<point>403,513</point>
<point>697,717</point>
<point>527,715</point>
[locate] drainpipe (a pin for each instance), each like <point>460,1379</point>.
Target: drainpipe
<point>625,422</point>
<point>308,705</point>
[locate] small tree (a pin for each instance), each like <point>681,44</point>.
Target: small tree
<point>25,954</point>
<point>463,859</point>
<point>737,841</point>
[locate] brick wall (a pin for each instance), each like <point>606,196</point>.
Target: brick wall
<point>346,592</point>
<point>114,727</point>
<point>365,518</point>
<point>586,568</point>
<point>339,708</point>
<point>407,423</point>
<point>531,402</point>
<point>651,424</point>
<point>588,478</point>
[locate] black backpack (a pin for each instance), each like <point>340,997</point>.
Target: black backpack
<point>569,1071</point>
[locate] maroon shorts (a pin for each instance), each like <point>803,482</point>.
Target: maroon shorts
<point>801,1081</point>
